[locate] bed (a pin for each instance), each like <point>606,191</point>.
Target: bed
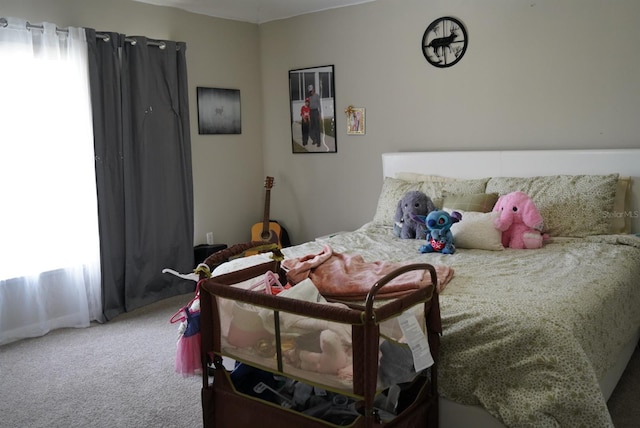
<point>531,338</point>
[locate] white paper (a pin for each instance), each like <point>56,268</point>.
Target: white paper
<point>416,340</point>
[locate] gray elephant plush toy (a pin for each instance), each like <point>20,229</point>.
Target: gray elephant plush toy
<point>413,203</point>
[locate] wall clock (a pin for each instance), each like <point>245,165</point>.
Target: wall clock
<point>444,42</point>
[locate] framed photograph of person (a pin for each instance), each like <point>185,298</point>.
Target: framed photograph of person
<point>313,110</point>
<point>355,121</point>
<point>219,111</point>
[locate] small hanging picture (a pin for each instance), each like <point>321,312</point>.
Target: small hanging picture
<point>355,120</point>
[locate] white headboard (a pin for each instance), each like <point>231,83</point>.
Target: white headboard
<point>522,163</point>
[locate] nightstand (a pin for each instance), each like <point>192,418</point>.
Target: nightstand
<point>201,252</point>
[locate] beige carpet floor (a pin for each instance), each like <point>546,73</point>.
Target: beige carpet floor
<point>121,374</point>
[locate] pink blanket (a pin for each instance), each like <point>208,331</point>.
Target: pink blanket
<point>349,277</point>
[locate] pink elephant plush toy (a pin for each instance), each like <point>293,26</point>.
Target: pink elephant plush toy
<point>520,221</point>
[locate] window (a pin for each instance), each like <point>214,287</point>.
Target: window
<point>47,183</point>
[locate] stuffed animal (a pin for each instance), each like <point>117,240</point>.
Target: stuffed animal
<point>309,343</point>
<point>331,359</point>
<point>439,236</point>
<point>520,221</point>
<point>412,203</point>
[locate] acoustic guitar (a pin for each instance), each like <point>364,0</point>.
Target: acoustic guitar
<point>270,232</point>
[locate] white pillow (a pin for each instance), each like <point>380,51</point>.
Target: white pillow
<point>476,231</point>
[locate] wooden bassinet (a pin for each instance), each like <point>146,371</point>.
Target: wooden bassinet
<point>224,406</point>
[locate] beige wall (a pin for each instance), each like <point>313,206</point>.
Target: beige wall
<point>537,74</point>
<point>227,169</point>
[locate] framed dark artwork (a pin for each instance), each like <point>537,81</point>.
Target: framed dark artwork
<point>313,110</point>
<point>219,111</point>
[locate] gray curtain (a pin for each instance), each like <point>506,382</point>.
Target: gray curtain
<point>143,168</point>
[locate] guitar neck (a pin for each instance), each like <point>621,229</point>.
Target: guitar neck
<point>265,221</point>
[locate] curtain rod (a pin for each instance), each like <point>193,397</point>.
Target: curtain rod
<point>101,36</point>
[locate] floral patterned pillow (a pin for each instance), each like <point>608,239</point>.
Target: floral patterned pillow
<point>393,189</point>
<point>571,205</point>
<point>622,204</point>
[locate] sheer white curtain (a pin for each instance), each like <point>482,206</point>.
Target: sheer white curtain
<point>49,245</point>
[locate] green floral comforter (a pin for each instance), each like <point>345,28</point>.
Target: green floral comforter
<point>527,333</point>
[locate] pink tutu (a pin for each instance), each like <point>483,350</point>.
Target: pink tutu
<point>188,361</point>
<point>188,356</point>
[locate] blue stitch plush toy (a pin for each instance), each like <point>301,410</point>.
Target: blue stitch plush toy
<point>439,236</point>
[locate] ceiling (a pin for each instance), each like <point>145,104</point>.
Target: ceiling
<point>255,11</point>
